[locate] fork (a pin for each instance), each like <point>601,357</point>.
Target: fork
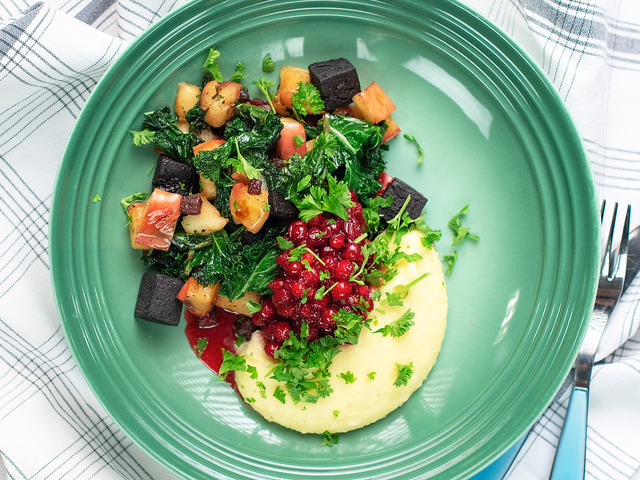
<point>570,459</point>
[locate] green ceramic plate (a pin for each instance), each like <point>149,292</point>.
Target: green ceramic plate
<point>495,136</point>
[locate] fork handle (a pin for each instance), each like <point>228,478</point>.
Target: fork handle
<point>569,462</point>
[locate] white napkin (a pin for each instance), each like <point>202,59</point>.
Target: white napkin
<point>51,56</point>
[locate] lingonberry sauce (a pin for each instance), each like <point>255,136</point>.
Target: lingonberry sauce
<point>312,285</point>
<point>219,333</point>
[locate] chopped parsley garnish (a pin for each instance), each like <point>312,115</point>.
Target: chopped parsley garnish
<point>371,375</point>
<point>451,260</point>
<point>411,138</point>
<point>253,307</point>
<point>347,376</point>
<point>404,374</point>
<point>306,99</point>
<point>231,362</point>
<point>263,84</point>
<point>211,66</point>
<point>279,394</point>
<point>335,199</point>
<point>336,413</point>
<point>96,198</point>
<point>238,75</point>
<point>329,439</point>
<point>461,233</point>
<point>143,137</point>
<point>304,365</point>
<point>268,65</point>
<point>199,347</point>
<point>398,327</point>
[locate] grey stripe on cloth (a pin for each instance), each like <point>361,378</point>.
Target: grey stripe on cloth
<point>11,32</point>
<point>92,12</point>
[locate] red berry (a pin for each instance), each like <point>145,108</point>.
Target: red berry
<point>276,284</point>
<point>268,310</point>
<point>327,317</point>
<point>293,268</point>
<point>315,236</point>
<point>341,290</point>
<point>297,288</point>
<point>281,330</point>
<point>271,347</point>
<point>298,231</point>
<point>309,276</point>
<point>330,264</point>
<point>353,252</point>
<point>316,221</point>
<point>344,270</point>
<point>281,297</point>
<point>337,241</point>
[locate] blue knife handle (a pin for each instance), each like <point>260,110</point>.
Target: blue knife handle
<point>569,462</point>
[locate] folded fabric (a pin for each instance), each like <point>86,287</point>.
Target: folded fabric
<point>52,55</point>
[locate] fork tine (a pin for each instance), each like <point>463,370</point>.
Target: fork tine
<point>620,266</point>
<point>608,263</point>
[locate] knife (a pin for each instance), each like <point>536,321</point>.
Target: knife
<point>499,468</point>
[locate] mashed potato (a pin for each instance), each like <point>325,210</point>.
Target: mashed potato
<point>366,400</point>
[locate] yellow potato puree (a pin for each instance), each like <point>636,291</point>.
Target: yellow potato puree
<point>364,401</point>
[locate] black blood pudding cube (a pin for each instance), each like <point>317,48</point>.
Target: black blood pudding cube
<point>157,300</point>
<point>175,177</point>
<point>399,192</point>
<point>280,207</point>
<point>337,80</point>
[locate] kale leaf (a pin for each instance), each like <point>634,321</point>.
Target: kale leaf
<point>168,136</point>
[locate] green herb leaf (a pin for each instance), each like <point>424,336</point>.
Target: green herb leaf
<point>231,362</point>
<point>279,395</point>
<point>238,75</point>
<point>347,376</point>
<point>143,137</point>
<point>211,66</point>
<point>451,260</point>
<point>97,198</point>
<point>283,243</point>
<point>329,439</point>
<point>263,85</point>
<point>371,375</point>
<point>461,233</point>
<point>133,198</point>
<point>411,138</point>
<point>398,327</point>
<point>306,99</point>
<point>268,65</point>
<point>253,307</point>
<point>404,374</point>
<point>199,347</point>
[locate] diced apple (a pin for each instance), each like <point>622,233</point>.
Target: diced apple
<point>198,299</point>
<point>206,146</point>
<point>292,139</point>
<point>182,125</point>
<point>248,209</point>
<point>207,188</point>
<point>392,130</point>
<point>239,305</point>
<point>218,101</point>
<point>240,177</point>
<point>348,111</point>
<point>206,134</point>
<point>160,219</point>
<point>290,77</point>
<point>207,221</point>
<point>136,214</point>
<point>374,104</point>
<point>187,96</point>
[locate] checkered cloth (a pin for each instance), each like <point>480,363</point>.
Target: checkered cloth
<point>51,56</point>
